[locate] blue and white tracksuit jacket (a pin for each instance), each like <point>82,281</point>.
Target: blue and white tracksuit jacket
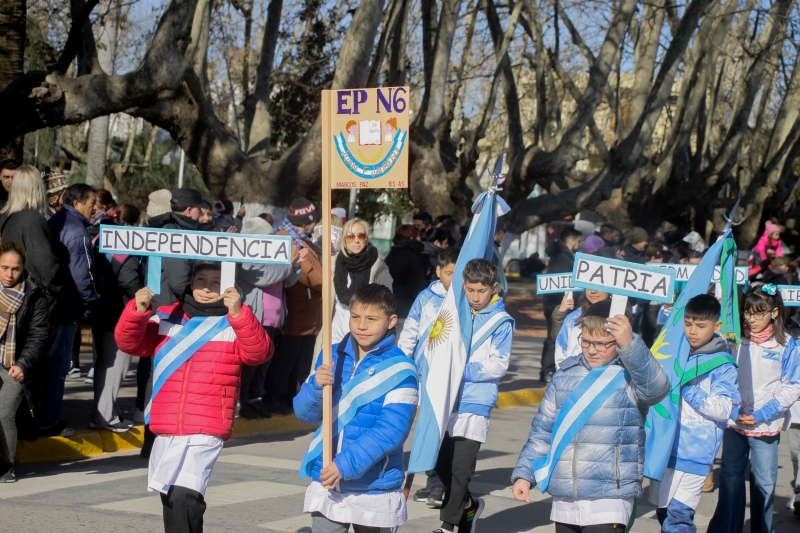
<point>369,451</point>
<point>769,384</point>
<point>706,405</point>
<point>567,344</point>
<point>486,364</point>
<point>606,458</point>
<point>423,313</point>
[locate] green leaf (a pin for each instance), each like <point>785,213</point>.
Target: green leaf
<point>675,397</point>
<point>662,411</point>
<point>678,369</point>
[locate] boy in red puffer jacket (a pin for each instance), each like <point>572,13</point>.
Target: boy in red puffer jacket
<point>200,343</point>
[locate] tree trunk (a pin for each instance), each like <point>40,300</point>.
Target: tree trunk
<point>12,55</point>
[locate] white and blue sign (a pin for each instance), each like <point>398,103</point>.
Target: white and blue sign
<point>555,283</point>
<point>790,295</point>
<point>623,278</point>
<point>228,248</point>
<point>684,272</point>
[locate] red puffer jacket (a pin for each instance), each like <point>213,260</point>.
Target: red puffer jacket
<point>200,396</point>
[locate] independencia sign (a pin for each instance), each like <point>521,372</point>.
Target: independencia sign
<point>684,272</point>
<point>790,295</point>
<point>623,278</point>
<point>555,283</point>
<point>202,245</point>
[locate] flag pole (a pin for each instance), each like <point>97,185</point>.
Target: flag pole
<point>327,280</point>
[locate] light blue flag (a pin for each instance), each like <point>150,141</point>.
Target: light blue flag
<point>671,349</point>
<point>442,355</point>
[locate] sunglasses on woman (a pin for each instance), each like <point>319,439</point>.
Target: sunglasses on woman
<point>351,237</point>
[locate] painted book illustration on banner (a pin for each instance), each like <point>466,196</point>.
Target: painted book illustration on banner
<point>369,132</point>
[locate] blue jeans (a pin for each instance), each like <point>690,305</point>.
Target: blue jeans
<point>763,452</point>
<point>677,517</point>
<point>59,355</point>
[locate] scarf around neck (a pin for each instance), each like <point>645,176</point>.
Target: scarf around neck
<point>193,308</point>
<point>762,336</point>
<point>10,302</point>
<point>353,272</point>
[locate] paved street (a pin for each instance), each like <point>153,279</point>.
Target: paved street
<point>255,488</point>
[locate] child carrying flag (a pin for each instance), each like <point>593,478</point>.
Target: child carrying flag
<point>769,384</point>
<point>468,426</point>
<point>708,395</point>
<point>420,319</point>
<point>586,444</point>
<point>200,343</point>
<point>375,400</point>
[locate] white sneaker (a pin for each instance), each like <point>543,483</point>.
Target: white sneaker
<point>790,503</point>
<point>137,415</point>
<point>90,376</point>
<point>74,373</point>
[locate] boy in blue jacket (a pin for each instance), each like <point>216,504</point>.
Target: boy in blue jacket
<point>707,401</point>
<point>468,426</point>
<point>375,401</point>
<point>421,317</point>
<point>586,444</point>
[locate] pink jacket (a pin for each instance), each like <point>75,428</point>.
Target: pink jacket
<point>200,396</point>
<point>765,242</point>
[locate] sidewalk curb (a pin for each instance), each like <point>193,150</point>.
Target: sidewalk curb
<point>91,442</point>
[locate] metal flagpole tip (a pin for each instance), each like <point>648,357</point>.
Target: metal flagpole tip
<point>497,177</point>
<point>730,217</point>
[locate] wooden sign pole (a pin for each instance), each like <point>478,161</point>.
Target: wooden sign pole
<point>327,281</point>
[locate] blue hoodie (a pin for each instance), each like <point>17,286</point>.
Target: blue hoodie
<point>369,451</point>
<point>706,405</point>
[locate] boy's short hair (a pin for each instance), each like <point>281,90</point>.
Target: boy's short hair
<point>375,295</point>
<point>448,257</point>
<point>703,307</point>
<point>480,271</point>
<point>205,265</point>
<point>596,316</point>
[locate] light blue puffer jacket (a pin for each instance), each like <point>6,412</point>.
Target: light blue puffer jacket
<point>369,454</point>
<point>606,459</point>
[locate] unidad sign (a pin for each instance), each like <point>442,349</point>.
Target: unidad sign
<point>684,272</point>
<point>623,278</point>
<point>790,295</point>
<point>228,248</point>
<point>555,283</point>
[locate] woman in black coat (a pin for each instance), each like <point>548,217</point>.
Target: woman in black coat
<point>23,343</point>
<point>408,270</point>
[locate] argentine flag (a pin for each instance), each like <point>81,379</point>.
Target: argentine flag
<point>442,355</point>
<point>671,349</point>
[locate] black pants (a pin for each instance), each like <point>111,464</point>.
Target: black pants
<point>291,352</point>
<point>253,376</point>
<point>183,510</point>
<point>597,528</point>
<point>549,347</point>
<point>455,466</point>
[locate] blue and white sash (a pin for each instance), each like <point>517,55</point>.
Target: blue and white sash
<point>180,348</point>
<point>362,389</point>
<point>582,403</point>
<point>486,329</point>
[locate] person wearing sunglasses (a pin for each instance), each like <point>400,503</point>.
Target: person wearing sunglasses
<point>356,265</point>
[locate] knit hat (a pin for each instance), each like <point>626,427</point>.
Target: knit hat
<point>257,226</point>
<point>770,228</point>
<point>159,203</point>
<point>54,183</point>
<point>301,212</point>
<point>186,197</point>
<point>637,235</point>
<point>593,243</point>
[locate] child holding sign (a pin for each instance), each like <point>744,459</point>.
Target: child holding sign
<point>769,384</point>
<point>377,383</point>
<point>586,445</point>
<point>708,395</point>
<point>200,343</point>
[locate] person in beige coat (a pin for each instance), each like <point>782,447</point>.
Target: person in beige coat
<point>356,265</point>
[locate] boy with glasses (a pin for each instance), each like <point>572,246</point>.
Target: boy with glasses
<point>586,445</point>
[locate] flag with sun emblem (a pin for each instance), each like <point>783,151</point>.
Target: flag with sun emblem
<point>442,354</point>
<point>671,349</point>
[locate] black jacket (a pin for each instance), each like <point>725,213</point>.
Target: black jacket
<point>562,259</point>
<point>45,261</point>
<point>609,250</point>
<point>118,279</point>
<point>32,325</point>
<point>408,270</point>
<point>176,274</point>
<point>632,255</point>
